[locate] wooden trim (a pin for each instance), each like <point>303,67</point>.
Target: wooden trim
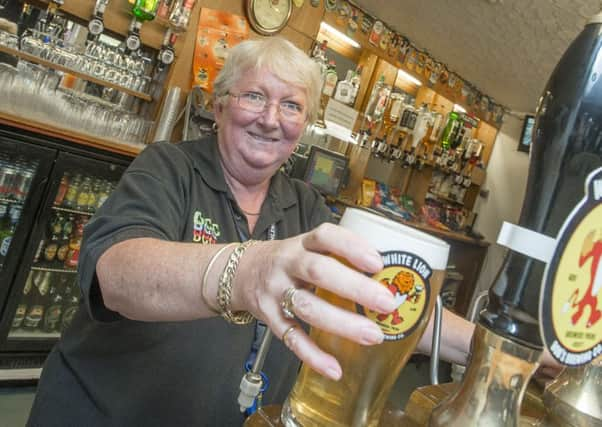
<point>69,135</point>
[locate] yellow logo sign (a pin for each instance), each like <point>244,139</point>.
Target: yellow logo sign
<point>571,308</point>
<point>406,276</point>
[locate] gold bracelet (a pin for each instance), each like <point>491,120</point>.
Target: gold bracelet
<point>224,290</point>
<point>206,276</point>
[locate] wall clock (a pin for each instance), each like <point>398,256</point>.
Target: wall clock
<point>268,17</point>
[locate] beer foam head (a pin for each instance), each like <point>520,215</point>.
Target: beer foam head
<point>387,235</point>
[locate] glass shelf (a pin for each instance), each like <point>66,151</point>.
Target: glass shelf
<point>54,270</point>
<point>73,211</point>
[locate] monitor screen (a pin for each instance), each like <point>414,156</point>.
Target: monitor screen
<point>325,170</point>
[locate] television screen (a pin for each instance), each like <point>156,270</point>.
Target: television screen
<point>325,170</point>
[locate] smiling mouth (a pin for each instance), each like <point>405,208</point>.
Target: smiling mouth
<point>263,138</point>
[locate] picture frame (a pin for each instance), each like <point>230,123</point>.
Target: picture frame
<point>524,143</point>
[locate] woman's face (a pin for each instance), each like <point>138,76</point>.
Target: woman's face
<point>258,143</point>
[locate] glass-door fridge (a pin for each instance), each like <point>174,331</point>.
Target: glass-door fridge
<point>44,294</point>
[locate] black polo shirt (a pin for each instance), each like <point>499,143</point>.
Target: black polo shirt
<point>111,371</point>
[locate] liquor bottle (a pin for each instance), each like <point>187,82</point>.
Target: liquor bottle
<point>96,25</point>
<point>377,102</point>
<point>450,130</point>
<point>35,311</point>
<point>164,8</point>
<point>330,80</point>
<point>24,303</point>
<point>393,110</point>
<point>145,10</point>
<point>180,15</point>
<point>355,83</point>
<point>344,89</point>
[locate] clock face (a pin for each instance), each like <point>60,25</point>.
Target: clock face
<point>268,16</point>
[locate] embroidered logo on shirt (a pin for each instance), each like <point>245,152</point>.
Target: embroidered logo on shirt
<point>205,230</point>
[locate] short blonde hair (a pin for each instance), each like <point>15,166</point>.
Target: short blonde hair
<point>280,57</point>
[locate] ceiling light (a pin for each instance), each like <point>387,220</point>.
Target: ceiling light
<point>336,33</point>
<point>407,76</point>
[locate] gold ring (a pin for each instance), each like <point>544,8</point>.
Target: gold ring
<point>286,333</point>
<point>287,303</point>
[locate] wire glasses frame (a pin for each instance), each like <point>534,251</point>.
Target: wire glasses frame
<point>255,102</point>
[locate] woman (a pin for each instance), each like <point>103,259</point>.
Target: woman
<point>147,346</point>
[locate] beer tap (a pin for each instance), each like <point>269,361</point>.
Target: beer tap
<point>564,221</point>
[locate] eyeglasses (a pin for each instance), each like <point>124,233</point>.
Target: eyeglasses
<point>255,102</point>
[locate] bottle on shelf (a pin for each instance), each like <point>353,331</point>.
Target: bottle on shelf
<point>70,198</point>
<point>180,15</point>
<point>39,292</point>
<point>62,190</point>
<point>451,129</point>
<point>74,245</point>
<point>145,10</point>
<point>355,84</point>
<point>56,301</point>
<point>21,311</point>
<point>7,228</point>
<point>344,89</point>
<point>330,80</point>
<point>83,197</point>
<point>377,102</point>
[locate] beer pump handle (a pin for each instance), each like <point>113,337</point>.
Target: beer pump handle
<point>436,343</point>
<point>252,381</point>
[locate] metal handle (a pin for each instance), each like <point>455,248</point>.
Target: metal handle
<point>436,343</point>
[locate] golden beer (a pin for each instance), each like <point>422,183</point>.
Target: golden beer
<point>414,270</point>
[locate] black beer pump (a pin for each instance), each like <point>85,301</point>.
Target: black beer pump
<point>565,159</point>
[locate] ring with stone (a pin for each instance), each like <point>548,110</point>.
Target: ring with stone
<point>287,303</point>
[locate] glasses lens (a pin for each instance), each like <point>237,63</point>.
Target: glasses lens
<point>257,103</point>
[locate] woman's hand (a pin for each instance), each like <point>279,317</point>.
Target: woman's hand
<point>270,268</point>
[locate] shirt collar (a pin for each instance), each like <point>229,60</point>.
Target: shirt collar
<point>206,160</point>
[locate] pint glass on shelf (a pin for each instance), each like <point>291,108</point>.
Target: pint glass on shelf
<point>414,270</point>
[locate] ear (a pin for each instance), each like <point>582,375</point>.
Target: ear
<point>218,111</point>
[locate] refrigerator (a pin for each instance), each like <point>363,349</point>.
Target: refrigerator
<point>49,190</point>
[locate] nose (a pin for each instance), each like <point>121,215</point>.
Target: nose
<point>270,115</point>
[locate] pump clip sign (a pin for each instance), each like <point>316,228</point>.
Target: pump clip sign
<point>571,309</point>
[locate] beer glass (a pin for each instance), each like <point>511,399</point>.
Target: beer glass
<point>414,270</point>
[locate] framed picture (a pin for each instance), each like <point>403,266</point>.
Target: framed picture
<point>524,143</point>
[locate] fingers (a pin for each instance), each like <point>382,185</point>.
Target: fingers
<point>327,273</point>
<point>308,352</point>
<point>337,241</point>
<point>335,320</point>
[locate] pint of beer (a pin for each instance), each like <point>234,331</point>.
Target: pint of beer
<point>414,270</point>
